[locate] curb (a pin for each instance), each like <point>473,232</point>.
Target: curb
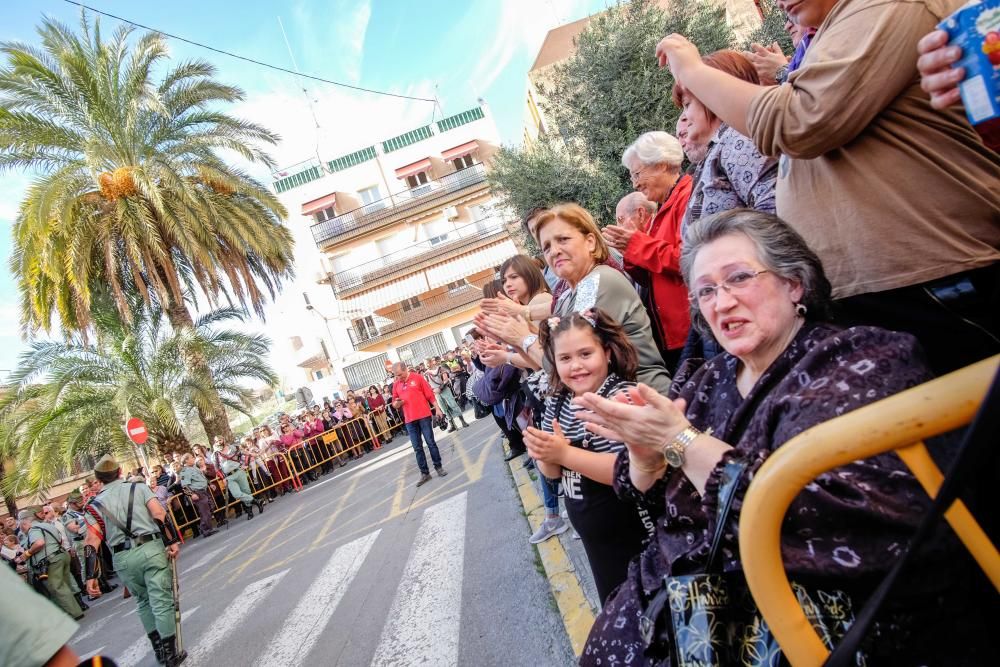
<point>575,610</point>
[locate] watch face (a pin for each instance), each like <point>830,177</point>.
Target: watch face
<point>674,457</point>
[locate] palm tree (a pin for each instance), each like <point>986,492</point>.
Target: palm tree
<point>67,400</point>
<point>130,189</point>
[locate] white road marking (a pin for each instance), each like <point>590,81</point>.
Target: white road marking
<point>234,616</point>
<point>307,621</point>
<point>422,628</point>
<point>204,559</point>
<point>97,625</point>
<point>92,654</point>
<point>134,654</point>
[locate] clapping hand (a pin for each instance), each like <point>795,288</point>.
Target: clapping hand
<point>641,418</point>
<point>546,447</point>
<point>618,236</point>
<point>766,60</point>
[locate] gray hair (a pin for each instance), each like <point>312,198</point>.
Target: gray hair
<point>655,147</point>
<point>779,247</point>
<point>399,366</point>
<point>633,201</point>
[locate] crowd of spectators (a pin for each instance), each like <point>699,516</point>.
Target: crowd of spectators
<point>820,232</point>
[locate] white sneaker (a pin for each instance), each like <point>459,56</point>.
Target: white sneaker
<point>550,527</point>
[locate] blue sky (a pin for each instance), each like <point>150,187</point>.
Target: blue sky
<point>466,50</point>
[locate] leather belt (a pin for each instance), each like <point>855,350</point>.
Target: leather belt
<point>137,542</point>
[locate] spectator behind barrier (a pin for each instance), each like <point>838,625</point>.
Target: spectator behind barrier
<point>762,292</point>
<point>648,233</point>
<point>900,201</point>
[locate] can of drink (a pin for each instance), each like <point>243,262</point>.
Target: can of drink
<point>976,29</point>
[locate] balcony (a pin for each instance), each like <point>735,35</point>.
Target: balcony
<point>393,265</point>
<point>384,212</point>
<point>398,321</point>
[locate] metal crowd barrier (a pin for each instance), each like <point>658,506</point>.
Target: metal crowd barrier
<point>184,514</point>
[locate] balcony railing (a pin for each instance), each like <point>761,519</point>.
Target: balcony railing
<point>370,274</point>
<point>396,321</point>
<point>378,214</point>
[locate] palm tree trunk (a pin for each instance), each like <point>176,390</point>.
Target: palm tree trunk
<point>215,421</point>
<point>9,500</point>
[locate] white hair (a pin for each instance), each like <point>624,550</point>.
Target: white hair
<point>654,148</point>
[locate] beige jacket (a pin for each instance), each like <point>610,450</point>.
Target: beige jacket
<point>887,191</point>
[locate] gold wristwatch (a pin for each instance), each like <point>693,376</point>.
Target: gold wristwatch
<point>673,451</point>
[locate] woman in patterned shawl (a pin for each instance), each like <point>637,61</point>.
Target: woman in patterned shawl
<point>762,293</point>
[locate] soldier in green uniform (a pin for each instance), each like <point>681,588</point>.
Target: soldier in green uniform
<point>141,541</point>
<point>33,633</point>
<point>194,482</point>
<point>48,560</point>
<point>229,460</point>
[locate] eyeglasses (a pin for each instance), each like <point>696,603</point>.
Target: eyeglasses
<point>634,175</point>
<point>734,284</point>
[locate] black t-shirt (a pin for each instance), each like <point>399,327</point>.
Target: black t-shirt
<point>613,531</point>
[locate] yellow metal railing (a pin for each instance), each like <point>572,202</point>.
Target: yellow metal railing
<point>900,423</point>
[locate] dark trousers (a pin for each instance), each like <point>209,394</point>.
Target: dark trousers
<point>423,426</point>
<point>204,507</point>
<point>956,319</point>
<point>513,435</point>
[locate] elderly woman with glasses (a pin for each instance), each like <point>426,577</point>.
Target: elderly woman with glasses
<point>648,233</point>
<point>763,294</point>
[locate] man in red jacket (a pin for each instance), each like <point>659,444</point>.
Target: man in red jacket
<point>412,395</point>
<point>651,243</point>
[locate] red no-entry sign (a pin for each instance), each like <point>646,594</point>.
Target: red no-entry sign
<point>136,430</point>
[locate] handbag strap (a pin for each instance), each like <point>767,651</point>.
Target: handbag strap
<point>976,446</point>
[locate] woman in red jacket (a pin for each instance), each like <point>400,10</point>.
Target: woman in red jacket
<point>648,233</point>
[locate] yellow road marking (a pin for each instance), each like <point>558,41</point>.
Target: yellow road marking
<point>337,510</point>
<point>397,498</point>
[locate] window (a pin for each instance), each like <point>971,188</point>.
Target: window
<point>419,350</point>
<point>410,304</point>
<point>325,214</point>
<point>369,195</point>
<point>463,162</point>
<point>457,285</point>
<point>365,328</point>
<point>365,373</point>
<point>416,180</point>
<point>317,375</point>
<point>441,238</point>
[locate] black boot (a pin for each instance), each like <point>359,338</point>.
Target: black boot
<point>79,600</point>
<point>171,658</point>
<point>248,510</point>
<point>154,639</point>
<point>260,507</point>
<point>451,425</point>
<point>464,424</point>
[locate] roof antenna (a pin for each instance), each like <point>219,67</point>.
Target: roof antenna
<point>305,92</point>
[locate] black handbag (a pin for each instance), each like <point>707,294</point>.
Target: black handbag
<point>711,620</point>
<point>481,410</point>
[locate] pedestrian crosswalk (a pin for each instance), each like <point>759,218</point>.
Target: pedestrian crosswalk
<point>422,625</point>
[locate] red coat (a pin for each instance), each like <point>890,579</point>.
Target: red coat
<point>653,259</point>
<point>416,394</point>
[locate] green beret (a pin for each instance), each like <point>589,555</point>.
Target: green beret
<point>107,464</point>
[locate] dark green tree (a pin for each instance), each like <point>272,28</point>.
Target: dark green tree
<point>601,99</point>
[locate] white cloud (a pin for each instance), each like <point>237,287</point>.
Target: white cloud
<point>522,25</point>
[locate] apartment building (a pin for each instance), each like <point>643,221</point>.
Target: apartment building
<point>403,234</point>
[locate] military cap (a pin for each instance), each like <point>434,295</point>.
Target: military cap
<point>107,464</point>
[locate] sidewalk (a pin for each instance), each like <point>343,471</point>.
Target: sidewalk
<point>563,558</point>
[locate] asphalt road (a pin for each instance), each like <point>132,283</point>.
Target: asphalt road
<point>363,568</point>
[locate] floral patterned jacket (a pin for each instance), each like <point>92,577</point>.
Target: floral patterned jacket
<point>848,523</point>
